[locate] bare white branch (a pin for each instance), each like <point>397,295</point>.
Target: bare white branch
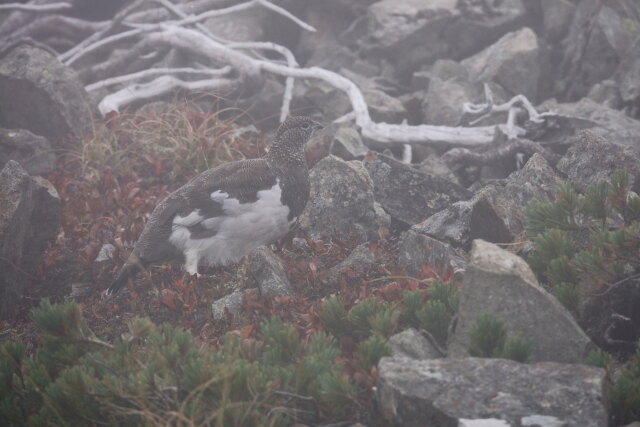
<point>291,62</point>
<point>286,13</point>
<point>51,7</point>
<point>122,14</point>
<point>101,43</point>
<point>155,71</point>
<point>158,87</point>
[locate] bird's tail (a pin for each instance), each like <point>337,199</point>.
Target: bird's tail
<point>131,267</point>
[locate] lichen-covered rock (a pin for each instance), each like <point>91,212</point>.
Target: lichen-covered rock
<point>611,124</point>
<point>359,262</point>
<point>416,249</point>
<point>46,97</point>
<point>268,273</point>
<point>592,158</point>
<point>231,304</point>
<point>341,201</point>
<point>594,55</point>
<point>472,392</point>
<point>408,194</point>
<point>29,214</point>
<point>501,283</point>
<point>449,88</point>
<point>398,29</point>
<point>411,343</point>
<point>515,62</point>
<point>33,152</point>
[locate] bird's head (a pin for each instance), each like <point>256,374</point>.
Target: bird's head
<point>296,131</point>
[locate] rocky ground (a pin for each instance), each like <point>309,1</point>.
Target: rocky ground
<point>552,93</point>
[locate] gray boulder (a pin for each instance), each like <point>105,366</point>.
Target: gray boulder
<point>556,18</point>
<point>607,93</point>
<point>341,140</point>
<point>464,221</point>
<point>509,197</point>
<point>499,282</point>
<point>46,97</point>
<point>408,194</point>
<point>398,29</point>
<point>490,392</point>
<point>416,249</point>
<point>594,55</point>
<point>29,215</point>
<point>341,202</point>
<point>449,88</point>
<point>411,343</point>
<point>515,62</point>
<point>33,152</point>
<point>359,262</point>
<point>268,273</point>
<point>628,74</point>
<point>592,158</point>
<point>612,124</point>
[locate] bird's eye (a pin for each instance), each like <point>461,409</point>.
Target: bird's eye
<point>306,126</point>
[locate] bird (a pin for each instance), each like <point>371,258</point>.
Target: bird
<point>226,212</point>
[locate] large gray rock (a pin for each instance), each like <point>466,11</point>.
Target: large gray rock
<point>628,74</point>
<point>556,18</point>
<point>594,55</point>
<point>268,273</point>
<point>341,140</point>
<point>592,158</point>
<point>46,97</point>
<point>359,263</point>
<point>515,62</point>
<point>499,282</point>
<point>464,221</point>
<point>230,304</point>
<point>411,343</point>
<point>29,214</point>
<point>33,152</point>
<point>417,250</point>
<point>449,88</point>
<point>341,202</point>
<point>468,392</point>
<point>509,197</point>
<point>408,194</point>
<point>611,124</point>
<point>398,29</point>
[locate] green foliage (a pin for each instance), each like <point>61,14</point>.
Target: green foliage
<point>625,393</point>
<point>371,351</point>
<point>435,313</point>
<point>518,348</point>
<point>584,242</point>
<point>598,358</point>
<point>488,338</point>
<point>156,375</point>
<point>333,316</point>
<point>435,318</point>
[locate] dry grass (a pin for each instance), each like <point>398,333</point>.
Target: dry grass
<point>177,141</point>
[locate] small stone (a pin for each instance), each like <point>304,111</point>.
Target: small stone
<point>411,343</point>
<point>267,271</point>
<point>105,253</point>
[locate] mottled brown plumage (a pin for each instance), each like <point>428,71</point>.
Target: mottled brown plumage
<point>225,212</point>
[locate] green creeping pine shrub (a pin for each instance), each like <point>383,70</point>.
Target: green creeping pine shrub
<point>625,393</point>
<point>435,315</point>
<point>488,338</point>
<point>154,375</point>
<point>585,241</point>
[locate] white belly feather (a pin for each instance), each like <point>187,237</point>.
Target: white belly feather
<point>243,228</point>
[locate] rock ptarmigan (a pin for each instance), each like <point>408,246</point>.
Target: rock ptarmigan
<point>226,212</point>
